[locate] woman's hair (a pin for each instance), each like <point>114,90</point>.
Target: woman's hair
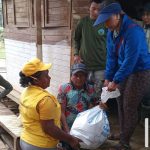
<point>26,81</point>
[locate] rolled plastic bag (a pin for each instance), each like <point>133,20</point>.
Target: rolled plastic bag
<point>92,127</point>
<point>105,95</point>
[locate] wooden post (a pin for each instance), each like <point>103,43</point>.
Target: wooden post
<point>38,30</point>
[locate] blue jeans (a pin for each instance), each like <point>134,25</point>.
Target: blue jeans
<point>26,146</point>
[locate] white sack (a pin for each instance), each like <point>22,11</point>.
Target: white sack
<point>92,127</point>
<point>105,95</point>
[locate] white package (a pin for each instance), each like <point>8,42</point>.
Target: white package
<point>105,95</point>
<point>92,127</point>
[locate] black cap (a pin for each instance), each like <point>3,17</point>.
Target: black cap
<point>78,67</point>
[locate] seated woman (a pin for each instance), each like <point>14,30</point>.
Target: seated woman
<point>40,110</point>
<point>76,96</point>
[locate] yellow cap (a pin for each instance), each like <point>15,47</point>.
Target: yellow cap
<point>34,65</point>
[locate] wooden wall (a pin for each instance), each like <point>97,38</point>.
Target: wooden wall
<point>19,20</point>
<point>59,19</point>
<point>80,9</point>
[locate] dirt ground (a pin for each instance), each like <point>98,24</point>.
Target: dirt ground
<point>137,141</point>
<point>138,138</point>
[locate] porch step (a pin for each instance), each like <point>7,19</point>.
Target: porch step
<point>11,126</point>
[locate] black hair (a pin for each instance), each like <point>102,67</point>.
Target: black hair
<point>26,81</point>
<point>96,1</point>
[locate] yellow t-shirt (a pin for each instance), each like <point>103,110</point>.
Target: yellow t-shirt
<point>37,104</point>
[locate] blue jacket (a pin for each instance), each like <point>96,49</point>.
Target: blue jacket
<point>127,53</point>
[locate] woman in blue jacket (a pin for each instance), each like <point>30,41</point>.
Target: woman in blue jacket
<point>128,66</point>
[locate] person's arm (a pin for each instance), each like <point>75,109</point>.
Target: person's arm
<point>133,46</point>
<point>47,112</point>
<point>7,87</point>
<point>62,98</point>
<point>50,128</point>
<point>63,119</point>
<point>77,41</point>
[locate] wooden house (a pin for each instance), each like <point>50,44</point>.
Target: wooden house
<point>41,28</point>
<point>44,28</point>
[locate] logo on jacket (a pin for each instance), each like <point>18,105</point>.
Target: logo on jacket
<point>101,31</point>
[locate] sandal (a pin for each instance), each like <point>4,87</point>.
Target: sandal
<point>121,147</point>
<point>114,137</point>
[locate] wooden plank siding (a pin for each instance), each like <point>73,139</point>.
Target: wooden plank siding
<point>8,13</point>
<point>21,13</point>
<point>57,13</point>
<point>19,20</point>
<point>57,30</point>
<point>59,18</point>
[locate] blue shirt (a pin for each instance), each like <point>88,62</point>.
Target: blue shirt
<point>127,53</point>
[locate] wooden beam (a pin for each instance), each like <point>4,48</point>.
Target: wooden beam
<point>38,29</point>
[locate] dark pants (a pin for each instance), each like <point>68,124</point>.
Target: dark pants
<point>7,87</point>
<point>132,91</point>
<point>27,146</point>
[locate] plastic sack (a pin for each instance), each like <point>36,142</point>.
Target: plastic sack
<point>92,127</point>
<point>105,95</point>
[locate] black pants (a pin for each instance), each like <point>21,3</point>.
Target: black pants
<point>7,87</point>
<point>132,91</point>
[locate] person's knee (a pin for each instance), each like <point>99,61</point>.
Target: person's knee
<point>10,88</point>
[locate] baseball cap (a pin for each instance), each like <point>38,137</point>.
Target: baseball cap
<point>34,65</point>
<point>107,11</point>
<point>78,67</point>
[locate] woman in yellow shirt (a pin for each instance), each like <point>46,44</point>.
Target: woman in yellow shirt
<point>40,111</point>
